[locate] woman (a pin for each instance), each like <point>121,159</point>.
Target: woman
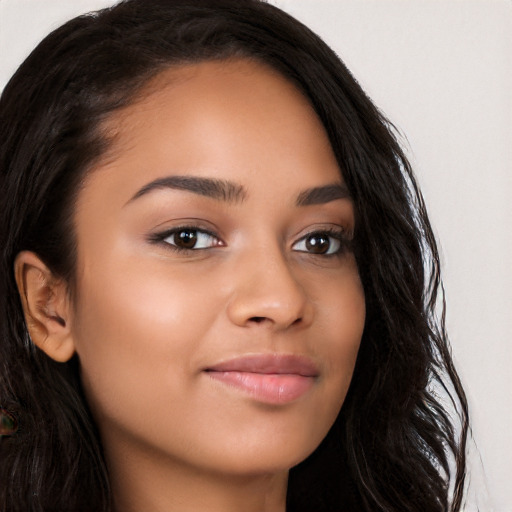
<point>224,276</point>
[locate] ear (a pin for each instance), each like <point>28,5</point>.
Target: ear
<point>46,306</point>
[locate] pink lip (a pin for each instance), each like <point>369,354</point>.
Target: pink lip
<point>270,378</point>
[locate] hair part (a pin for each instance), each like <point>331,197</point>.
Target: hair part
<point>390,447</point>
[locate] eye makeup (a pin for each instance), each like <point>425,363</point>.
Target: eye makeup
<point>322,242</point>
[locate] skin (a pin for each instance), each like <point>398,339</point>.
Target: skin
<point>148,320</point>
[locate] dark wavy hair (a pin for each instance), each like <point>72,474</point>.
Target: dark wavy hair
<point>396,445</point>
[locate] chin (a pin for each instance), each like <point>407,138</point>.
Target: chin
<point>267,454</point>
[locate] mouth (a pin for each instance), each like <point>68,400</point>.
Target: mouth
<point>269,378</point>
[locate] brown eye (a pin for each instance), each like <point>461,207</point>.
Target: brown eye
<point>320,243</point>
<point>185,239</point>
<point>190,239</point>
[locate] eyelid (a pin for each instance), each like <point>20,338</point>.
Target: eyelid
<point>338,233</point>
<point>162,236</point>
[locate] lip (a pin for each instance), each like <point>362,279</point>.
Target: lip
<point>269,378</point>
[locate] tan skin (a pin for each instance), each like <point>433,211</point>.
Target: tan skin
<point>266,274</point>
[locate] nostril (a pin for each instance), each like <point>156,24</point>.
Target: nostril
<point>260,319</point>
<point>257,319</point>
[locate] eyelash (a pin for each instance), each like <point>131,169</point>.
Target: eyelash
<point>337,234</point>
<point>161,238</point>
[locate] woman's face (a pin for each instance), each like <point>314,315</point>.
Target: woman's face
<point>219,309</point>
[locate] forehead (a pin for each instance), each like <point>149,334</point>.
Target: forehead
<point>231,119</point>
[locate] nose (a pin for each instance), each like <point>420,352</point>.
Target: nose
<point>266,292</point>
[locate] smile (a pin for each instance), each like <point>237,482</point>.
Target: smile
<point>271,379</point>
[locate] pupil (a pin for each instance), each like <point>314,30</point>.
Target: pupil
<point>318,244</point>
<point>186,239</point>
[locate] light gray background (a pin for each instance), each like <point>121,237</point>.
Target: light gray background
<point>441,71</point>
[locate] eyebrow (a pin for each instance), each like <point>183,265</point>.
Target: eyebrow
<point>322,195</point>
<point>228,191</point>
<point>221,190</point>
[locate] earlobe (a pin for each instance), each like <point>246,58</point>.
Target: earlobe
<point>46,306</point>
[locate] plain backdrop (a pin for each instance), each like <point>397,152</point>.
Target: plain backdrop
<point>441,72</point>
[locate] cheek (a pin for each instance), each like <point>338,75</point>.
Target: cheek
<point>344,314</point>
<point>137,331</point>
<point>341,314</point>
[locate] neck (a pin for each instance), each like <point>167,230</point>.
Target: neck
<point>148,483</point>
